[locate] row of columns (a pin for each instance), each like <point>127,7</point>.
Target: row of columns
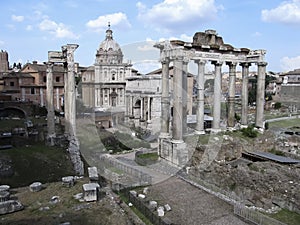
<point>130,107</point>
<point>180,96</point>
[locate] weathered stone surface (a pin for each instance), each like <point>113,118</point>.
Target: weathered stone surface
<point>93,173</point>
<point>4,196</point>
<point>133,193</point>
<point>167,207</point>
<point>153,205</point>
<point>160,211</point>
<point>10,206</point>
<point>90,192</point>
<point>68,181</point>
<point>4,188</point>
<point>35,187</point>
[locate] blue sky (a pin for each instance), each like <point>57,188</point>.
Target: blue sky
<point>29,29</point>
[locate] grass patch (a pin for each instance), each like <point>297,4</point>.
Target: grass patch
<point>37,163</point>
<point>286,216</point>
<point>284,123</point>
<point>151,156</point>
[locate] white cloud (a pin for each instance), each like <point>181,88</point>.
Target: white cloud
<point>58,29</point>
<point>17,18</point>
<point>29,27</point>
<point>147,46</point>
<point>116,20</point>
<point>287,12</point>
<point>288,64</point>
<point>171,14</point>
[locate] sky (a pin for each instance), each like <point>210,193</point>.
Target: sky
<point>29,29</point>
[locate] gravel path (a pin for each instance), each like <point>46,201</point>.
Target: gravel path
<point>191,205</point>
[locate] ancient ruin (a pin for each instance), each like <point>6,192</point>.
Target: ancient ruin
<point>206,47</point>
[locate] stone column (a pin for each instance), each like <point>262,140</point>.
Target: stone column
<point>42,96</point>
<point>71,92</point>
<point>165,98</point>
<point>149,109</point>
<point>50,103</point>
<point>142,109</point>
<point>200,97</point>
<point>66,100</point>
<point>177,130</point>
<point>231,96</point>
<point>245,94</point>
<point>217,96</point>
<point>260,94</point>
<point>184,95</point>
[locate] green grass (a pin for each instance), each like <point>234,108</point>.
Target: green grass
<point>285,123</point>
<point>286,216</point>
<point>37,163</point>
<point>151,156</point>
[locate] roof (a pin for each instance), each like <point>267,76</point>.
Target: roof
<point>276,158</point>
<point>293,72</point>
<point>17,75</point>
<point>43,67</point>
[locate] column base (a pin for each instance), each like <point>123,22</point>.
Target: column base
<point>215,130</point>
<point>199,132</point>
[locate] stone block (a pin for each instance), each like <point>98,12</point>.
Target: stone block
<point>4,188</point>
<point>142,196</point>
<point>167,207</point>
<point>4,196</point>
<point>68,181</point>
<point>93,173</point>
<point>90,192</point>
<point>133,193</point>
<point>160,211</point>
<point>10,206</point>
<point>153,205</point>
<point>35,187</point>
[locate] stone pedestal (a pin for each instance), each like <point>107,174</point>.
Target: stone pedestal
<point>174,151</point>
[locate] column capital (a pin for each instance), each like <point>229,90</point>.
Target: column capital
<point>217,63</point>
<point>165,60</point>
<point>262,63</point>
<point>231,64</point>
<point>200,61</point>
<point>245,64</point>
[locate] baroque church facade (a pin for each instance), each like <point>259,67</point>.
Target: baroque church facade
<point>103,84</point>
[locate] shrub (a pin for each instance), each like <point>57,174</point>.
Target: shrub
<point>249,132</point>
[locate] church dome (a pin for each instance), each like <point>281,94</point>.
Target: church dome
<point>109,44</point>
<point>109,50</point>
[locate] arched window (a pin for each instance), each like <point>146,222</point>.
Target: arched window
<point>113,76</point>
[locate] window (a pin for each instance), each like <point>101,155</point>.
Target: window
<point>32,91</point>
<point>57,79</point>
<point>113,76</point>
<point>12,84</point>
<point>44,79</point>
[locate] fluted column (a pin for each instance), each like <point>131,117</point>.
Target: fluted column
<point>184,95</point>
<point>50,101</point>
<point>260,94</point>
<point>177,130</point>
<point>245,94</point>
<point>165,98</point>
<point>231,97</point>
<point>217,96</point>
<point>200,96</point>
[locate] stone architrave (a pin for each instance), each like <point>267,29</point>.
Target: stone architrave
<point>217,96</point>
<point>231,97</point>
<point>260,94</point>
<point>245,81</point>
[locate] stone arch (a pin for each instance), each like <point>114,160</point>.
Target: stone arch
<point>13,111</point>
<point>137,108</point>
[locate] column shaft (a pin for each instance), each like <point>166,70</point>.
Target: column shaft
<point>231,97</point>
<point>177,105</point>
<point>50,102</point>
<point>260,94</point>
<point>165,99</point>
<point>184,96</point>
<point>245,94</point>
<point>217,96</point>
<point>200,96</point>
